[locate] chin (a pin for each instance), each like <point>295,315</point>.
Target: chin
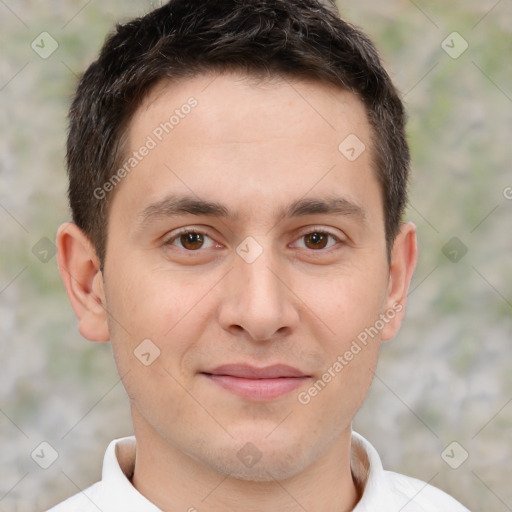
<point>267,463</point>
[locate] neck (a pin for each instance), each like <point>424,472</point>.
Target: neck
<point>172,480</point>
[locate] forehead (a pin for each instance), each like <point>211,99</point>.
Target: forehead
<point>229,98</point>
<point>230,137</point>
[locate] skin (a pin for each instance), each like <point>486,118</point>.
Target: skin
<point>254,148</point>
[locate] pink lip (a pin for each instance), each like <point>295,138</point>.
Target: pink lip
<point>258,384</point>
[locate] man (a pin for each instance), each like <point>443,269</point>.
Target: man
<point>238,174</point>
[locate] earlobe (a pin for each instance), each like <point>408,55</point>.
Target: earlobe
<point>83,280</point>
<point>403,262</point>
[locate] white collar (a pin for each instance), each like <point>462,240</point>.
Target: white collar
<point>383,490</point>
<point>369,475</point>
<point>117,491</point>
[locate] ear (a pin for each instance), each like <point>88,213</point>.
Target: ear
<point>79,269</point>
<point>404,256</point>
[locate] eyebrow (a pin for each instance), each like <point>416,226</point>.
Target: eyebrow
<point>174,205</point>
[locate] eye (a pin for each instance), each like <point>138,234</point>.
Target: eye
<point>190,240</point>
<point>318,240</point>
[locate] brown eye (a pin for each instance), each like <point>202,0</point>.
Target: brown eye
<point>316,240</point>
<point>192,241</point>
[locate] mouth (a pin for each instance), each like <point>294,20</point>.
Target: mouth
<point>257,384</point>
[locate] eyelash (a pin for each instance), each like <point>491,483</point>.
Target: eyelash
<point>198,232</point>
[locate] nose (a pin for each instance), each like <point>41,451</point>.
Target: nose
<point>258,301</point>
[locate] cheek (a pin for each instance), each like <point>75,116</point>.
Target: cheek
<point>349,303</point>
<point>163,307</point>
<point>151,303</point>
<point>154,322</point>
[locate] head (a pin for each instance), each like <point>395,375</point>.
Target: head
<point>267,129</point>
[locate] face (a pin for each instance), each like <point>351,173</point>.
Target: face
<point>246,278</point>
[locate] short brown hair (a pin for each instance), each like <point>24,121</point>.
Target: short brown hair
<point>184,38</point>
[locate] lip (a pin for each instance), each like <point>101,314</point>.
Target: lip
<point>246,371</point>
<point>257,384</point>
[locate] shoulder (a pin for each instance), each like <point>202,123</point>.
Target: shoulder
<point>417,496</point>
<point>84,501</point>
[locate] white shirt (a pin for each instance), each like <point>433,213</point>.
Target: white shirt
<point>384,491</point>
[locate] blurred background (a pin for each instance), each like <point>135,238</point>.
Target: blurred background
<point>440,408</point>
